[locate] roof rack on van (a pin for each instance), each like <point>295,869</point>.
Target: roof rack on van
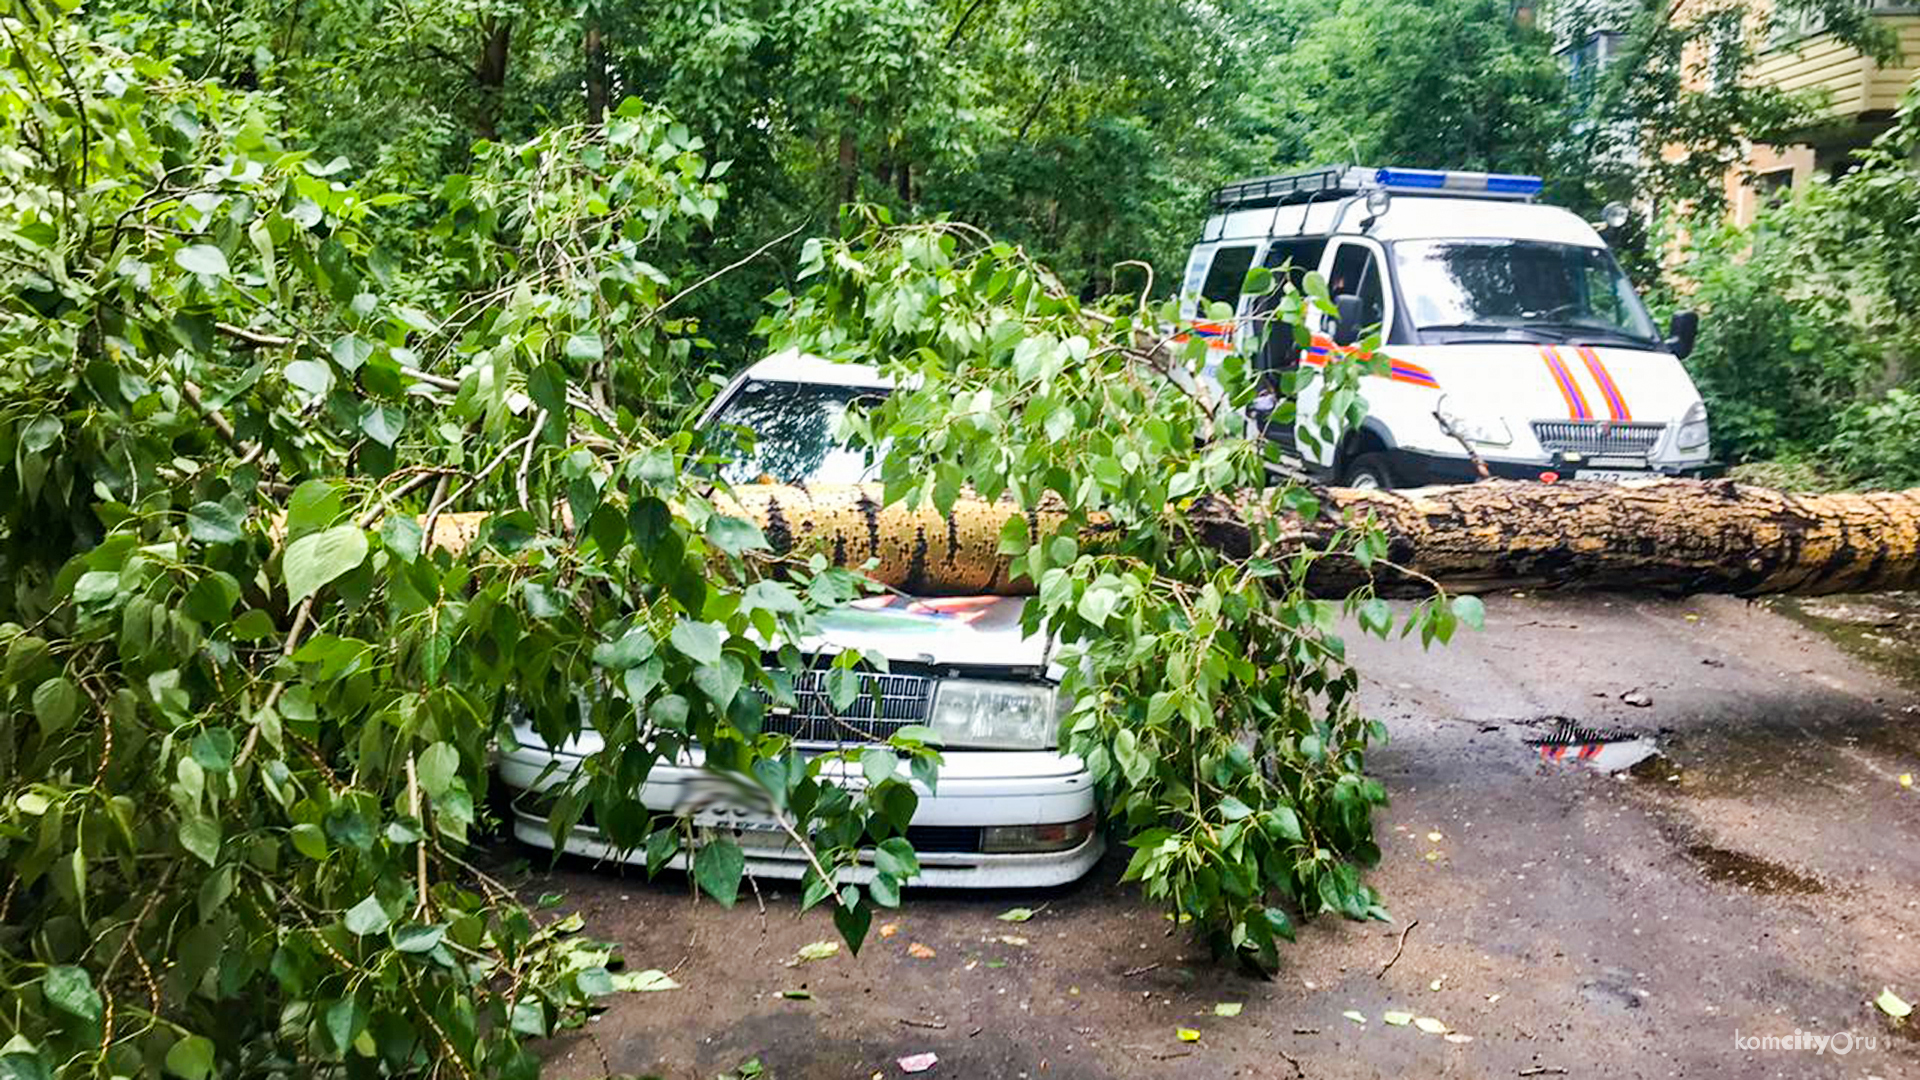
<point>1329,181</point>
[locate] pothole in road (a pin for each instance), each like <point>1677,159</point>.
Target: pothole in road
<point>1750,871</point>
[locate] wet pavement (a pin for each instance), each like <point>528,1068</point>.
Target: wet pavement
<point>1636,835</point>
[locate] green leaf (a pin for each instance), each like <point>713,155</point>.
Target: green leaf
<point>1469,610</point>
<point>1233,809</point>
<point>212,749</point>
<point>70,989</point>
<point>1227,1008</point>
<point>734,535</point>
<point>213,523</point>
<point>1018,914</point>
<point>312,376</point>
<point>699,642</point>
<point>414,938</point>
<point>629,650</point>
<point>318,558</point>
<point>55,703</point>
<point>436,768</point>
<point>719,680</point>
<point>1891,1003</point>
<point>367,917</point>
<point>383,424</point>
<point>202,259</point>
<point>308,840</point>
<point>191,1058</point>
<point>818,950</point>
<point>718,869</point>
<point>586,347</point>
<point>896,857</point>
<point>852,918</point>
<point>650,981</point>
<point>201,837</point>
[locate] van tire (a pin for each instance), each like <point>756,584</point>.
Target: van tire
<point>1368,471</point>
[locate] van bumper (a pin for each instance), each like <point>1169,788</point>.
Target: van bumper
<point>1414,468</point>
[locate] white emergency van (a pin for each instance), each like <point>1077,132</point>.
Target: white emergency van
<point>1509,325</point>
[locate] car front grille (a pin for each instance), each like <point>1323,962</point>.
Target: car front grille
<point>884,705</point>
<point>1597,438</point>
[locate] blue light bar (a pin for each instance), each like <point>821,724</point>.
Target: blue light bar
<point>1443,180</point>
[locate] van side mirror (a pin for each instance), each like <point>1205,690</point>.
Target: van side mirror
<point>1346,327</point>
<point>1682,332</point>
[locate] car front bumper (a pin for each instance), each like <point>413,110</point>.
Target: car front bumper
<point>1415,468</point>
<point>976,791</point>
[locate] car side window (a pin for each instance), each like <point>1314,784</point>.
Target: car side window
<point>1227,274</point>
<point>1356,272</point>
<point>1291,261</point>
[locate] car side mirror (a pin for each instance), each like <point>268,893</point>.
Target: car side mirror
<point>1682,332</point>
<point>1346,327</point>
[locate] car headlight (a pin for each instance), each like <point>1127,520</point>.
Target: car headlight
<point>1487,430</point>
<point>988,714</point>
<point>1693,428</point>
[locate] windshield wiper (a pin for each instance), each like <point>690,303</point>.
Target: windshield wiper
<point>1503,328</point>
<point>1575,333</point>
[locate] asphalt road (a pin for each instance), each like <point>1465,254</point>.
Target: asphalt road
<point>1757,875</point>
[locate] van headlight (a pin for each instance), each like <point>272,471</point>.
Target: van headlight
<point>1483,428</point>
<point>1693,428</point>
<point>988,714</point>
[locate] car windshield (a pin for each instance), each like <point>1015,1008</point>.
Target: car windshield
<point>793,425</point>
<point>1562,291</point>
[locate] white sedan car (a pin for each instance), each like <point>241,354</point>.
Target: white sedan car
<point>1009,810</point>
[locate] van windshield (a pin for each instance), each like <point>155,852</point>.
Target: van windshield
<point>1558,291</point>
<point>793,426</point>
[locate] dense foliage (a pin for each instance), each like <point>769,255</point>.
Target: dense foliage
<point>1808,349</point>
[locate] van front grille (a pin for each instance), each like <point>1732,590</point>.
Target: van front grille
<point>884,705</point>
<point>1597,438</point>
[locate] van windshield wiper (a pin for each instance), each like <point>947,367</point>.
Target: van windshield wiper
<point>1527,332</point>
<point>1577,334</point>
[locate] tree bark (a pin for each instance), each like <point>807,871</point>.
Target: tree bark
<point>596,61</point>
<point>491,73</point>
<point>1673,536</point>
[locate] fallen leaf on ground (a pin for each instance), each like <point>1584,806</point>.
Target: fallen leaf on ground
<point>1398,1019</point>
<point>919,1063</point>
<point>1456,1037</point>
<point>797,995</point>
<point>1491,998</point>
<point>1429,1025</point>
<point>644,981</point>
<point>1433,856</point>
<point>1906,779</point>
<point>970,965</point>
<point>1012,939</point>
<point>1435,984</point>
<point>1434,837</point>
<point>1187,1034</point>
<point>889,929</point>
<point>819,950</point>
<point>1890,1003</point>
<point>996,963</point>
<point>1227,1008</point>
<point>920,952</point>
<point>1355,1016</point>
<point>1018,914</point>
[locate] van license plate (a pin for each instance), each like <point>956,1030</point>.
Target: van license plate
<point>1610,475</point>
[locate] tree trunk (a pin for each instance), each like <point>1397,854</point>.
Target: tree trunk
<point>596,61</point>
<point>491,73</point>
<point>1675,536</point>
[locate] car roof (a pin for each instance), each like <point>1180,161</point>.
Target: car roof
<point>794,366</point>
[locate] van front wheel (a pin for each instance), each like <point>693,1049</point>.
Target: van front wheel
<point>1368,472</point>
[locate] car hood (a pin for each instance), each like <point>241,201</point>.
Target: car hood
<point>1554,382</point>
<point>963,631</point>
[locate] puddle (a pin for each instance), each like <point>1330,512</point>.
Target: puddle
<point>1750,871</point>
<point>1605,751</point>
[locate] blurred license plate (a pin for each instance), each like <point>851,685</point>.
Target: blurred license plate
<point>1609,474</point>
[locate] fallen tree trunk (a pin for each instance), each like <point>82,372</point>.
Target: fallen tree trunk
<point>1675,536</point>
